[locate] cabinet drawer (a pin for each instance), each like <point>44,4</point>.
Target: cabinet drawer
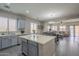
<point>32,53</point>
<point>32,43</point>
<point>32,50</point>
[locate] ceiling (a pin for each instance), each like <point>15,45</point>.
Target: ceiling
<point>44,11</point>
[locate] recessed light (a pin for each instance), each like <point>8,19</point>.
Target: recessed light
<point>27,11</point>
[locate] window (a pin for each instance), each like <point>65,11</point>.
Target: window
<point>49,27</point>
<point>7,24</point>
<point>33,27</point>
<point>72,29</point>
<point>54,28</point>
<point>3,24</point>
<point>62,28</point>
<point>12,25</point>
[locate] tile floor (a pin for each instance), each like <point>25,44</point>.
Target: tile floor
<point>12,51</point>
<point>69,46</point>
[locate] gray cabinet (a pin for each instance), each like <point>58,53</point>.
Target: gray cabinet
<point>14,40</point>
<point>4,42</point>
<point>29,48</point>
<point>24,48</point>
<point>32,50</point>
<point>19,40</point>
<point>0,43</point>
<point>7,41</point>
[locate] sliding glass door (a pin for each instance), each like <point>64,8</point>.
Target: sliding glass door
<point>72,31</point>
<point>77,31</point>
<point>7,24</point>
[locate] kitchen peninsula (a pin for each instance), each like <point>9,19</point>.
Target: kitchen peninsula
<point>38,45</point>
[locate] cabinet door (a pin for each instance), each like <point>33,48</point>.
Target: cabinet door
<point>8,43</point>
<point>4,42</point>
<point>32,48</point>
<point>14,40</point>
<point>29,48</point>
<point>24,48</point>
<point>19,40</point>
<point>0,43</point>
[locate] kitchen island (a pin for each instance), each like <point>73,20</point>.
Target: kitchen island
<point>38,45</point>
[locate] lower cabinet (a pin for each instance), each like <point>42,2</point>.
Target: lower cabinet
<point>29,48</point>
<point>0,43</point>
<point>19,40</point>
<point>14,40</point>
<point>24,48</point>
<point>32,50</point>
<point>4,42</point>
<point>8,41</point>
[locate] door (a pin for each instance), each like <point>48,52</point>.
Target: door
<point>72,31</point>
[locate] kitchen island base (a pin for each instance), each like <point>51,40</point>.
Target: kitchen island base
<point>32,48</point>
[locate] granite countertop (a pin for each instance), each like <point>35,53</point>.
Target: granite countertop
<point>3,35</point>
<point>15,34</point>
<point>42,39</point>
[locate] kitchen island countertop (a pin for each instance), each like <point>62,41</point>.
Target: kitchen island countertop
<point>41,39</point>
